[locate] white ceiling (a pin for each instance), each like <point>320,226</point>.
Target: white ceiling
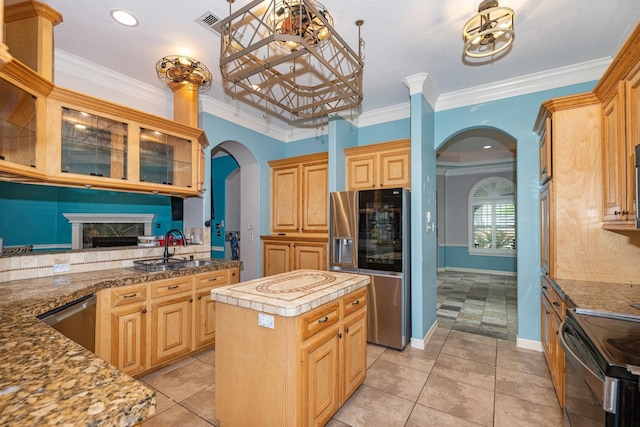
<point>402,38</point>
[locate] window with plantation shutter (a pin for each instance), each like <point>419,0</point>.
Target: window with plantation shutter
<point>492,217</point>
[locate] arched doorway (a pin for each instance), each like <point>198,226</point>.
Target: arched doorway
<point>477,285</point>
<point>247,223</point>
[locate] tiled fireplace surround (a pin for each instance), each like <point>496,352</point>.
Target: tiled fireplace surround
<point>32,265</point>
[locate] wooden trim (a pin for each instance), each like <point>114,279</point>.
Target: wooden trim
<point>317,157</point>
<point>30,9</point>
<point>623,64</point>
<point>311,238</point>
<point>366,149</point>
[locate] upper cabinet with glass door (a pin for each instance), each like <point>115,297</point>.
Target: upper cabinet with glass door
<point>97,144</point>
<point>22,106</point>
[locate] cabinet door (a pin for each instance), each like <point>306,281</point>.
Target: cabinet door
<point>362,172</point>
<point>205,318</point>
<point>170,327</point>
<point>632,109</point>
<point>395,169</point>
<point>545,151</point>
<point>284,199</point>
<point>320,378</point>
<point>315,190</point>
<point>612,149</point>
<point>129,338</point>
<point>557,374</point>
<point>545,229</point>
<point>354,352</point>
<point>276,258</point>
<point>311,256</point>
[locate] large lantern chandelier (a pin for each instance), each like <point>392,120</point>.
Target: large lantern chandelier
<point>489,32</point>
<point>287,53</point>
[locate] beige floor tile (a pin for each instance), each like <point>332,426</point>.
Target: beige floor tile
<point>422,416</point>
<point>335,423</point>
<point>511,411</point>
<point>473,337</point>
<point>458,399</point>
<point>207,356</point>
<point>396,379</point>
<point>370,361</point>
<point>175,416</point>
<point>203,403</point>
<point>442,331</point>
<point>529,387</point>
<point>184,381</point>
<point>163,402</point>
<point>421,360</point>
<point>370,407</point>
<point>472,350</point>
<point>464,370</point>
<point>160,372</point>
<point>436,342</point>
<point>530,361</point>
<point>374,350</point>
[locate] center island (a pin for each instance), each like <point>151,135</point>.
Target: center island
<point>290,348</point>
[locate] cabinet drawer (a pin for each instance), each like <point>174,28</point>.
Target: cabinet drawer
<point>128,295</point>
<point>319,319</point>
<point>354,301</point>
<point>170,286</point>
<point>212,278</point>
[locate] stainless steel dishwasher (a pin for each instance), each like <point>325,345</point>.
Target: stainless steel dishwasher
<point>76,320</point>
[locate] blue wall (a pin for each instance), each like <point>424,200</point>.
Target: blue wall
<point>455,256</point>
<point>221,168</point>
<point>32,214</point>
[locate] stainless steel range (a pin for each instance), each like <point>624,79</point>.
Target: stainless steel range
<point>602,369</point>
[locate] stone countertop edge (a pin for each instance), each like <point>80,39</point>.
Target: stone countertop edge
<point>310,301</point>
<point>46,378</point>
<point>614,298</point>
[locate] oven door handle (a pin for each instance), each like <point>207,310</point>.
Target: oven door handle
<point>605,390</point>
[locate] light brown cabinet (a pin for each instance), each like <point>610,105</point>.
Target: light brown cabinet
<point>552,315</point>
<point>619,92</point>
<point>281,254</point>
<point>385,165</point>
<point>328,344</point>
<point>146,325</point>
<point>61,137</point>
<point>299,194</point>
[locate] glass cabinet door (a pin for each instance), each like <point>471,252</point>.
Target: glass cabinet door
<point>165,159</point>
<point>93,145</point>
<point>17,125</point>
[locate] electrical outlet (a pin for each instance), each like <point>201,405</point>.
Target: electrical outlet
<point>61,268</point>
<point>265,320</point>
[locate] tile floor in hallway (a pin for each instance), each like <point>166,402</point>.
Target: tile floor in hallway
<point>459,379</point>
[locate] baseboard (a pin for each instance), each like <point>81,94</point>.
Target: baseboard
<point>478,271</point>
<point>421,344</point>
<point>529,344</point>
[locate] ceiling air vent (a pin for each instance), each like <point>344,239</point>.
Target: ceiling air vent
<point>210,21</point>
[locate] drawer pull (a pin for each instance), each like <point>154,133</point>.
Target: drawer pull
<point>324,319</point>
<point>356,302</point>
<point>130,295</point>
<point>213,279</point>
<point>556,303</point>
<point>545,288</point>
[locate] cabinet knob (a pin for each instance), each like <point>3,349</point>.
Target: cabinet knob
<point>556,303</point>
<point>144,310</point>
<point>346,330</point>
<point>190,299</point>
<point>340,335</point>
<point>199,297</point>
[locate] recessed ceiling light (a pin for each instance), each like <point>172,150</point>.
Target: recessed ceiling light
<point>486,147</point>
<point>125,18</point>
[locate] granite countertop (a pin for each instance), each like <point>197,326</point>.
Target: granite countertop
<point>611,298</point>
<point>47,379</point>
<point>290,294</point>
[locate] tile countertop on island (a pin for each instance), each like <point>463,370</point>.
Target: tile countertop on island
<point>47,379</point>
<point>610,298</point>
<point>290,294</point>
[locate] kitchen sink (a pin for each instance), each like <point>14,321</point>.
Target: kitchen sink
<point>159,264</point>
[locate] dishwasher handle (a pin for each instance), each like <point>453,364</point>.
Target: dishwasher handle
<point>59,314</point>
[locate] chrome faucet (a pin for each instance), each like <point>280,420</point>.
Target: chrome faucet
<point>166,256</point>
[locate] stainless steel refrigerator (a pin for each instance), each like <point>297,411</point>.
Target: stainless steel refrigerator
<point>369,233</point>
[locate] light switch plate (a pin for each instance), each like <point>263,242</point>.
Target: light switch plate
<point>265,320</point>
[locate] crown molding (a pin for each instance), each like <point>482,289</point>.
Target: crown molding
<point>87,77</point>
<point>536,82</point>
<point>84,76</point>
